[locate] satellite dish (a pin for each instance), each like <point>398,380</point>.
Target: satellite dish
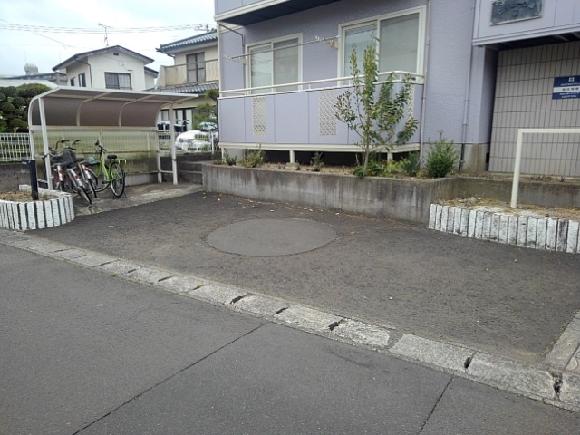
<point>30,68</point>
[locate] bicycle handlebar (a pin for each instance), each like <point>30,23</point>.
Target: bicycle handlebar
<point>99,146</point>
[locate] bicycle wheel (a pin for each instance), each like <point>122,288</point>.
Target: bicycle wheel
<point>93,182</point>
<point>86,195</point>
<point>117,179</point>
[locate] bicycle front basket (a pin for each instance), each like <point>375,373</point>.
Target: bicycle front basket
<point>92,161</point>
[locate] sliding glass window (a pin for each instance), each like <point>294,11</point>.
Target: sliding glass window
<point>274,63</point>
<point>397,40</point>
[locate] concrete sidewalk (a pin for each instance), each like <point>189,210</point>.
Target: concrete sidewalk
<point>500,299</point>
<point>133,196</point>
<point>84,352</point>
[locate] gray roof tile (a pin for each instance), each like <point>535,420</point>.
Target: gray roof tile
<point>204,38</point>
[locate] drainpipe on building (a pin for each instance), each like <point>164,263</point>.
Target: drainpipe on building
<point>465,124</point>
<point>425,79</point>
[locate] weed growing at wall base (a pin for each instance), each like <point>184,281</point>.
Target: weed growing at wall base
<point>441,159</point>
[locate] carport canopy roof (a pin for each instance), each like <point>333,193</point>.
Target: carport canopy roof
<point>81,107</point>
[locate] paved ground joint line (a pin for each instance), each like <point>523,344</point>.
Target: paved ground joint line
<point>435,405</point>
<point>171,376</point>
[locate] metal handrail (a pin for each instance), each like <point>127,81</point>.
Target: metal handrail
<point>418,78</point>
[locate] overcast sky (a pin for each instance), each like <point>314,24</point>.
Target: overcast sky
<point>17,48</point>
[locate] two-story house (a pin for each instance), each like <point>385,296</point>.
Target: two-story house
<point>114,67</point>
<point>194,71</point>
<point>482,69</point>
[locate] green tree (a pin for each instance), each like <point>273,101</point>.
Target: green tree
<point>206,111</point>
<point>30,90</point>
<point>14,103</point>
<point>378,117</point>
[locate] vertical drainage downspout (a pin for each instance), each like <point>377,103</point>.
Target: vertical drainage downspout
<point>425,79</point>
<point>465,124</point>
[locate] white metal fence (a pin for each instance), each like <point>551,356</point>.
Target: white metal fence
<point>14,147</point>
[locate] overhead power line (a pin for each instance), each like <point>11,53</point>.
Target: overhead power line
<point>99,30</point>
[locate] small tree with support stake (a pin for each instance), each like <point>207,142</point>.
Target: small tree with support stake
<point>379,118</point>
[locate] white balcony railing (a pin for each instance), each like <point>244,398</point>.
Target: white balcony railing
<point>176,75</point>
<point>316,85</point>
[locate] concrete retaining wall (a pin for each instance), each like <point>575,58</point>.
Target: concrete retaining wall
<point>12,175</point>
<point>52,210</point>
<point>549,194</point>
<point>407,199</point>
<point>380,197</point>
<point>551,234</point>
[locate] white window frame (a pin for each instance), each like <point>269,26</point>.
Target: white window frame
<point>421,10</point>
<point>271,42</point>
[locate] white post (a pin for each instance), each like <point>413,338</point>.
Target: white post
<point>47,166</point>
<point>516,181</point>
<point>212,140</point>
<point>31,135</point>
<point>292,156</point>
<point>173,150</point>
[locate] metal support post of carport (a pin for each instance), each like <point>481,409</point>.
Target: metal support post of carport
<point>173,149</point>
<point>46,145</point>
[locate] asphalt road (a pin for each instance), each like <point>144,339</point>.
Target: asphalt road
<point>83,352</point>
<point>496,298</point>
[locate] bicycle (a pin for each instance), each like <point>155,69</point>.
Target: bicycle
<point>67,173</point>
<point>107,173</point>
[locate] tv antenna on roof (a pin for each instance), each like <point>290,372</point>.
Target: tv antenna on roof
<point>106,30</point>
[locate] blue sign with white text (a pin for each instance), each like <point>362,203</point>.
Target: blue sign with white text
<point>566,88</point>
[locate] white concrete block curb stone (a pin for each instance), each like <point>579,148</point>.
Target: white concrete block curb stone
<point>92,259</point>
<point>49,211</point>
<point>70,254</point>
<point>182,284</point>
<point>148,275</point>
<point>308,318</point>
<point>502,373</point>
<point>570,390</point>
<point>562,354</point>
<point>431,352</point>
<point>260,305</point>
<point>217,294</point>
<point>560,235</point>
<point>120,267</point>
<point>362,333</point>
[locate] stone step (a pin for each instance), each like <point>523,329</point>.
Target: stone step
<point>193,177</point>
<point>194,157</point>
<point>189,166</point>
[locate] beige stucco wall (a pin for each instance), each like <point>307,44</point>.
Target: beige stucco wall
<point>177,74</point>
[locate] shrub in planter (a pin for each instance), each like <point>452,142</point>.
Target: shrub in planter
<point>441,159</point>
<point>317,163</point>
<point>377,168</point>
<point>230,160</point>
<point>253,159</point>
<point>374,169</point>
<point>411,165</point>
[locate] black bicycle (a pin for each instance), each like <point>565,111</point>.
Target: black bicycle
<point>67,174</point>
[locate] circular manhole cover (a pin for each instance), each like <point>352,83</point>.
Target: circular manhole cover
<point>271,237</point>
